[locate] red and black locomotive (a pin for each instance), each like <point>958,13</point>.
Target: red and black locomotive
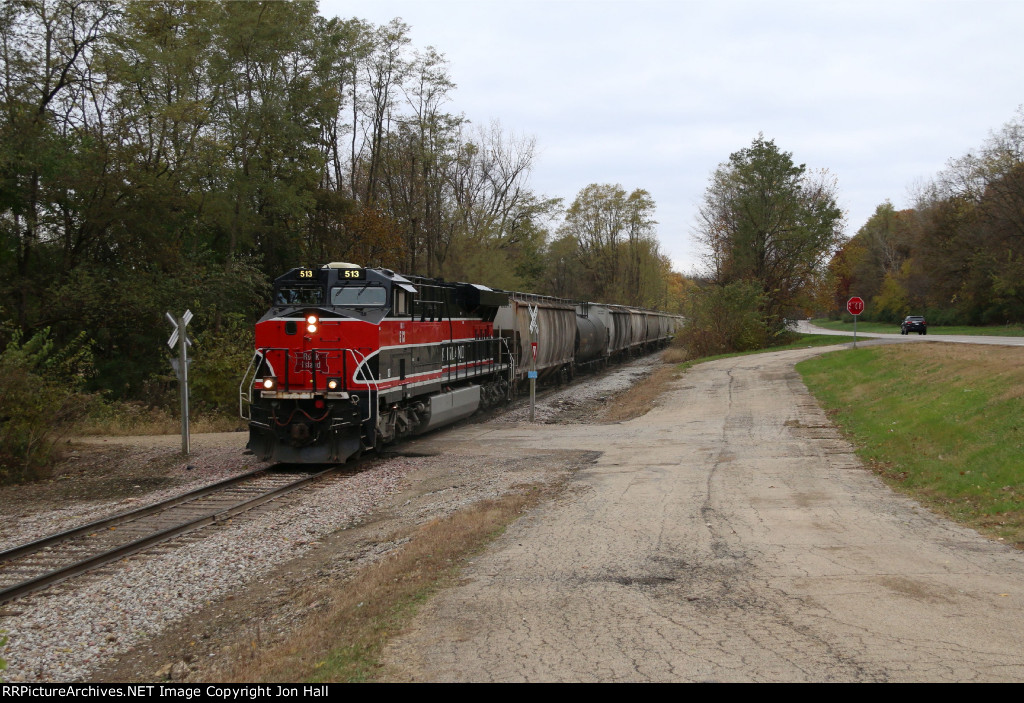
<point>349,358</point>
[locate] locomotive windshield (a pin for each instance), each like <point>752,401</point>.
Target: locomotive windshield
<point>299,295</point>
<point>359,296</point>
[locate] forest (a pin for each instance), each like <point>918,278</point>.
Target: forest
<point>157,156</point>
<point>957,255</point>
<point>163,156</point>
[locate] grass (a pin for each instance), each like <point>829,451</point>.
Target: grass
<point>942,422</point>
<point>134,419</point>
<point>846,325</point>
<point>640,397</point>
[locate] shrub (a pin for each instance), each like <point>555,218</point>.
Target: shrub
<point>220,358</point>
<point>724,319</point>
<point>39,400</point>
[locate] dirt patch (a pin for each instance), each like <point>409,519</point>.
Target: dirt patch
<point>640,398</point>
<point>96,475</point>
<point>96,469</point>
<point>103,476</point>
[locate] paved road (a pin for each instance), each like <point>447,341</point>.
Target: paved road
<point>807,327</point>
<point>728,535</point>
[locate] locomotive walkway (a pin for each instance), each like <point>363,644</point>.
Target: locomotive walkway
<point>728,535</point>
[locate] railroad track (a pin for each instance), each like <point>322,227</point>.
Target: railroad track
<point>44,562</point>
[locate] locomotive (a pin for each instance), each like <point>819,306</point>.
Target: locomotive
<point>350,358</point>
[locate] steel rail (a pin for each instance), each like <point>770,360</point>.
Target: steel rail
<point>29,547</point>
<point>124,550</point>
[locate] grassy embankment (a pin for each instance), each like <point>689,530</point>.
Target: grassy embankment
<point>846,325</point>
<point>941,422</point>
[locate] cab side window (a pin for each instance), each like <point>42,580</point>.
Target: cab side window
<point>400,302</point>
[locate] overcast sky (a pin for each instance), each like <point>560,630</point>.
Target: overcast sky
<point>655,95</point>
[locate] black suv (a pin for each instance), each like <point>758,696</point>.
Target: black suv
<point>914,323</point>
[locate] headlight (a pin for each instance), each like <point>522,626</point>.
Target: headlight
<point>312,322</point>
<point>333,384</point>
<point>269,383</point>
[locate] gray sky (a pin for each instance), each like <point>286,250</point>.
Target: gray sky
<point>655,95</point>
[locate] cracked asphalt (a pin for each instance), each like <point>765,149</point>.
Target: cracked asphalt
<point>728,535</point>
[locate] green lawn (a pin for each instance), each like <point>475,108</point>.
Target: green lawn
<point>942,422</point>
<point>846,325</point>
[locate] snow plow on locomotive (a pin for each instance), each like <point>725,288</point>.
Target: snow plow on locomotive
<point>349,358</point>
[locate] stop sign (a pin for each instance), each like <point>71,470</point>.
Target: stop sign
<point>855,306</point>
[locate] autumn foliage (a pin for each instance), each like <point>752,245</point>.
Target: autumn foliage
<point>957,256</point>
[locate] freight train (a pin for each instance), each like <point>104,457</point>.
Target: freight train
<point>350,358</point>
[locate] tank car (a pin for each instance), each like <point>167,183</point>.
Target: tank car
<point>350,358</point>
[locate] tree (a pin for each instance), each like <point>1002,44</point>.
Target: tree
<point>616,244</point>
<point>876,258</point>
<point>986,189</point>
<point>162,155</point>
<point>766,220</point>
<point>46,47</point>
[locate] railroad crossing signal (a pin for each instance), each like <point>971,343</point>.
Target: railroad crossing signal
<point>186,318</point>
<point>180,365</point>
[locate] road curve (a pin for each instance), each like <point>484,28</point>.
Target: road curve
<point>728,535</point>
<point>807,328</point>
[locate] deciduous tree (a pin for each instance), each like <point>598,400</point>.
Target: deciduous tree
<point>766,219</point>
<point>616,244</point>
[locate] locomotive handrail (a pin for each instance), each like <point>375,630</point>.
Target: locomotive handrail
<point>361,369</point>
<point>511,366</point>
<point>245,388</point>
